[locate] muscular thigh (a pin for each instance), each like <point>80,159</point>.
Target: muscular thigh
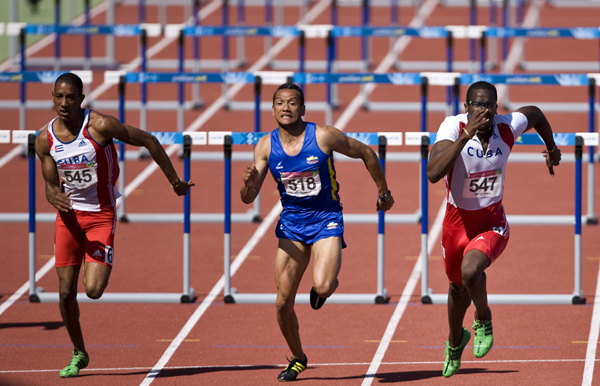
<point>291,261</point>
<point>327,256</point>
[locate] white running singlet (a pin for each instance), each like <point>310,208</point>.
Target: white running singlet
<point>86,169</point>
<point>476,180</point>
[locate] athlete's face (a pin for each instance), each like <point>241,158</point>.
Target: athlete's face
<point>482,101</point>
<point>287,109</point>
<point>67,101</point>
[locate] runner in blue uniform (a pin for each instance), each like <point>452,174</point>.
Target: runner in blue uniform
<point>299,156</point>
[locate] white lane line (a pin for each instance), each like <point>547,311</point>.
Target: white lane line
<point>6,158</point>
<point>25,287</point>
<point>436,229</point>
<point>40,44</point>
<point>93,96</point>
<point>341,123</point>
<point>278,365</point>
<point>590,354</point>
<point>258,234</point>
<point>432,237</point>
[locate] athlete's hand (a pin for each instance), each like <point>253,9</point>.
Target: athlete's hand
<point>250,176</point>
<point>62,201</point>
<point>477,121</point>
<point>552,159</point>
<point>183,187</point>
<point>385,205</point>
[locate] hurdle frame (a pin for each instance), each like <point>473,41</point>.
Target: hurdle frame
<point>38,295</point>
<point>561,139</point>
<point>231,295</point>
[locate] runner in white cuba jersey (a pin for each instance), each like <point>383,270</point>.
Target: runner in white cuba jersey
<point>88,170</point>
<point>470,153</point>
<point>79,165</point>
<point>477,179</point>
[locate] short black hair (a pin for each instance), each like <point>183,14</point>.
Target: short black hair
<point>72,79</point>
<point>482,85</point>
<point>290,86</point>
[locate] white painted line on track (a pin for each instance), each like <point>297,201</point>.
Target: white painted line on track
<point>340,124</point>
<point>25,287</point>
<point>590,354</point>
<point>6,158</point>
<point>432,237</point>
<point>155,49</point>
<point>258,234</point>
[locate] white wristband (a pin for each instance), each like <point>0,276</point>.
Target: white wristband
<point>177,184</point>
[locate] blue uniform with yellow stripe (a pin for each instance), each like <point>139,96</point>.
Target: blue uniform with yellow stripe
<point>308,190</point>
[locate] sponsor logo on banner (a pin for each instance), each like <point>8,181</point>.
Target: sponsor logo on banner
<point>360,137</point>
<point>584,33</point>
<point>48,76</point>
<point>404,78</point>
<point>571,79</point>
<point>234,77</point>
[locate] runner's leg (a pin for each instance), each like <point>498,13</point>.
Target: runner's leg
<point>473,266</point>
<point>326,266</point>
<point>69,309</point>
<point>458,303</point>
<point>290,263</point>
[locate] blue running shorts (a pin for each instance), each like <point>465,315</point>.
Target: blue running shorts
<point>310,233</point>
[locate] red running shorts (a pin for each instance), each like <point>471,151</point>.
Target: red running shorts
<point>485,230</point>
<point>81,233</point>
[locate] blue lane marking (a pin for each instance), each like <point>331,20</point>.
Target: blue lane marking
<point>67,345</point>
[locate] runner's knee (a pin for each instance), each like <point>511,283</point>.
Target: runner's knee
<point>471,275</point>
<point>67,295</point>
<point>94,292</point>
<point>325,288</point>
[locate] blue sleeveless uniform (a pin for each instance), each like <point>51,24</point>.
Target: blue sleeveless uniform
<point>308,191</point>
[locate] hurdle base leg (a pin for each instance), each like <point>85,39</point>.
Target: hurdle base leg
<point>578,298</point>
<point>189,297</point>
<point>382,298</point>
<point>124,218</point>
<point>589,220</point>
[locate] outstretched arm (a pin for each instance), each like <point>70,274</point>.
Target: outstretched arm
<point>335,140</point>
<point>537,120</point>
<point>54,194</point>
<point>109,127</point>
<point>254,175</point>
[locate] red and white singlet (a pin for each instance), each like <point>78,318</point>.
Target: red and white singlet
<point>86,169</point>
<point>476,180</point>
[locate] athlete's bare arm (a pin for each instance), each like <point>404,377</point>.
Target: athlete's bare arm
<point>254,175</point>
<point>537,120</point>
<point>54,193</point>
<point>107,127</point>
<point>332,139</point>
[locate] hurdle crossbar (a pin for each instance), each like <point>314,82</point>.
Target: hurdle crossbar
<point>562,139</point>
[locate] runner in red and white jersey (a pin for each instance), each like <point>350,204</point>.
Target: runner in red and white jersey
<point>89,171</point>
<point>79,165</point>
<point>470,153</point>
